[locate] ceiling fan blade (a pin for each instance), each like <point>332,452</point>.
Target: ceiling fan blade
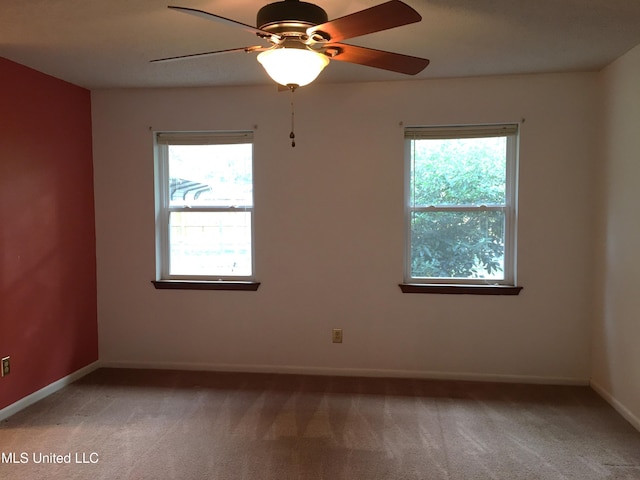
<point>375,19</point>
<point>226,21</point>
<point>394,62</point>
<point>257,48</point>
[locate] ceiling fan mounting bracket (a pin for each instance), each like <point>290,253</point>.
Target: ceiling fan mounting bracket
<point>332,51</point>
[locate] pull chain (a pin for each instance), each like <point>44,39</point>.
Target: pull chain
<point>292,135</point>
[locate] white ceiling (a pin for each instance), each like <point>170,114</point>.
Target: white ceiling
<point>109,43</point>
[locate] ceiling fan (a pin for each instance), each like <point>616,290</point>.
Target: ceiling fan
<point>301,39</point>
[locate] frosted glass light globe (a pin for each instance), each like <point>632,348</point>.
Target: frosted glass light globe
<point>293,66</point>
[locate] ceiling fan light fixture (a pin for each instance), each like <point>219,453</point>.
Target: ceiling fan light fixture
<point>293,66</point>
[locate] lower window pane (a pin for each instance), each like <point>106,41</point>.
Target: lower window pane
<point>457,245</point>
<point>210,243</point>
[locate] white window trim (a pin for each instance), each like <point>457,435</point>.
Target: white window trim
<point>163,209</point>
<point>512,132</point>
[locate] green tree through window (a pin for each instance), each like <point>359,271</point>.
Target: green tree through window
<point>459,205</point>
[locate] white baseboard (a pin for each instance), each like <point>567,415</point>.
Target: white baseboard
<point>349,372</point>
<point>615,403</point>
<point>46,391</point>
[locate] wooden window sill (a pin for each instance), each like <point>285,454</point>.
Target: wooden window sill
<point>205,285</point>
<point>460,289</point>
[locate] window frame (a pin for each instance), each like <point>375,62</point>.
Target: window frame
<point>164,279</point>
<point>507,285</point>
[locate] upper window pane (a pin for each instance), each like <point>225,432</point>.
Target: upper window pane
<point>210,175</point>
<point>460,171</point>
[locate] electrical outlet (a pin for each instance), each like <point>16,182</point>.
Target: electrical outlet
<point>6,366</point>
<point>337,335</point>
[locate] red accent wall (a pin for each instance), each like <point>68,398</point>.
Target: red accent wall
<point>48,313</point>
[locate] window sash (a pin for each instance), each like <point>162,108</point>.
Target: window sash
<point>163,208</point>
<point>509,208</point>
<point>459,208</point>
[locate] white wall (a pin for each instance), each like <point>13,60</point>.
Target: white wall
<point>616,352</point>
<point>329,234</point>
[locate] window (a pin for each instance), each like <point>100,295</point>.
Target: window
<point>204,197</point>
<point>461,210</point>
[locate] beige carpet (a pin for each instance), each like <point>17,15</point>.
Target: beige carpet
<point>136,424</point>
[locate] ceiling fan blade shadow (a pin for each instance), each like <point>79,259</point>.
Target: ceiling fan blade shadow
<point>394,62</point>
<point>223,20</point>
<point>375,19</point>
<point>257,48</point>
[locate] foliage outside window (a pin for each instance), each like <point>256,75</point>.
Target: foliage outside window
<point>461,190</point>
<point>204,195</point>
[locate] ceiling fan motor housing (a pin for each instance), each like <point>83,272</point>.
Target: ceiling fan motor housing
<point>277,16</point>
